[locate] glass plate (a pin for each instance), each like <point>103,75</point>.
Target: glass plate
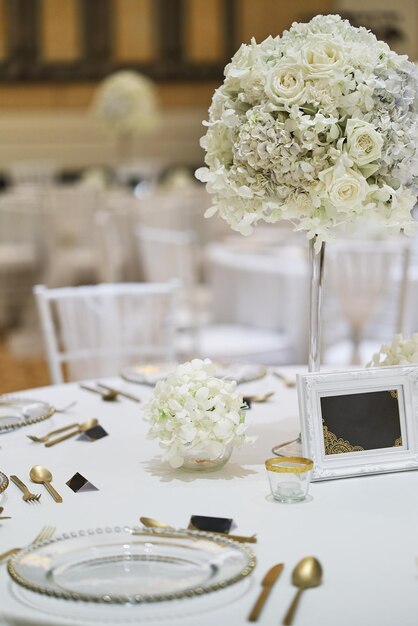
<point>17,411</point>
<point>21,606</point>
<point>151,374</point>
<point>115,566</point>
<point>4,482</point>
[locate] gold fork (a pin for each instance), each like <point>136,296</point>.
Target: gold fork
<point>53,432</point>
<point>45,534</point>
<point>28,496</point>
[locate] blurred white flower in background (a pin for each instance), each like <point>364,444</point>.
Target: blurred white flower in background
<point>126,102</point>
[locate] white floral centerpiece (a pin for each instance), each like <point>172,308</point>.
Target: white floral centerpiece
<point>196,416</point>
<point>126,102</point>
<point>401,351</point>
<point>317,127</point>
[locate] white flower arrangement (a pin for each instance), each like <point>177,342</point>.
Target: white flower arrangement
<point>193,410</point>
<point>126,102</point>
<point>317,127</point>
<point>400,352</point>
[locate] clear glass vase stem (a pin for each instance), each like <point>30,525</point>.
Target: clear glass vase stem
<point>316,262</point>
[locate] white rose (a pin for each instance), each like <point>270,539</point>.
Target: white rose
<point>285,84</point>
<point>321,57</point>
<point>299,204</point>
<point>364,143</point>
<point>344,188</point>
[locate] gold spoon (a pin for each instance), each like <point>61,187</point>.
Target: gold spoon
<point>1,511</point>
<point>149,522</point>
<point>106,395</point>
<point>42,475</point>
<point>307,573</point>
<point>259,398</point>
<point>81,428</point>
<point>287,382</point>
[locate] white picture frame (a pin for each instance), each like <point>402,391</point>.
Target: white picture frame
<point>335,400</point>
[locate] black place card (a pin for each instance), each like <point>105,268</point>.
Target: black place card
<point>79,483</point>
<point>94,433</point>
<point>211,524</point>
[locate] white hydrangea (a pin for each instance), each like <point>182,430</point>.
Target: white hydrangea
<point>126,102</point>
<point>400,352</point>
<point>318,127</point>
<point>193,410</point>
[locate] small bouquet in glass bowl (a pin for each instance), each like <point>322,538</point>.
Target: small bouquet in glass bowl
<point>401,351</point>
<point>197,417</point>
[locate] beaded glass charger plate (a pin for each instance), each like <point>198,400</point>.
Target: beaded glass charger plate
<point>17,411</point>
<point>131,566</point>
<point>4,482</point>
<point>151,374</point>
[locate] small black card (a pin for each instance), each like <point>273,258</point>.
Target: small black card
<point>79,483</point>
<point>211,524</point>
<point>94,433</point>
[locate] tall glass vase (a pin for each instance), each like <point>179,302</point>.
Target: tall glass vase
<point>316,264</point>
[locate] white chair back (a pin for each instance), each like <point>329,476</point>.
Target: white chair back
<point>118,259</point>
<point>95,330</point>
<point>166,254</point>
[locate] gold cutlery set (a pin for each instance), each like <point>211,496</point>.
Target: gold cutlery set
<point>149,522</point>
<point>306,574</point>
<point>40,475</point>
<point>109,394</point>
<point>75,429</point>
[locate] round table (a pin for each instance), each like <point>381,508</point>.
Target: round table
<point>363,530</point>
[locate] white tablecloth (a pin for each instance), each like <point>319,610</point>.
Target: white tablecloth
<point>363,530</point>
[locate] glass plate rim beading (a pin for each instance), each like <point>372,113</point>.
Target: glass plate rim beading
<point>10,399</point>
<point>110,598</point>
<point>4,482</point>
<point>128,372</point>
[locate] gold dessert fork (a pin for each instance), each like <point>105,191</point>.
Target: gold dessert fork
<point>27,495</point>
<point>45,534</point>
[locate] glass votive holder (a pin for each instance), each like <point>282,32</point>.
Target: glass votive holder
<point>289,477</point>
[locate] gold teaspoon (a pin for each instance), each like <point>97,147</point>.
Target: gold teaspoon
<point>42,475</point>
<point>80,429</point>
<point>106,395</point>
<point>307,573</point>
<point>149,522</point>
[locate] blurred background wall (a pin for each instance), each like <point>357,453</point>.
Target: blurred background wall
<point>53,54</point>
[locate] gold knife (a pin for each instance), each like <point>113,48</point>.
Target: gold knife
<point>267,584</point>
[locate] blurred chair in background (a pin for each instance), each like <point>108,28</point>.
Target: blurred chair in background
<point>38,173</point>
<point>70,243</point>
<point>93,331</point>
<point>369,281</point>
<point>21,256</point>
<point>169,254</point>
<point>116,247</point>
